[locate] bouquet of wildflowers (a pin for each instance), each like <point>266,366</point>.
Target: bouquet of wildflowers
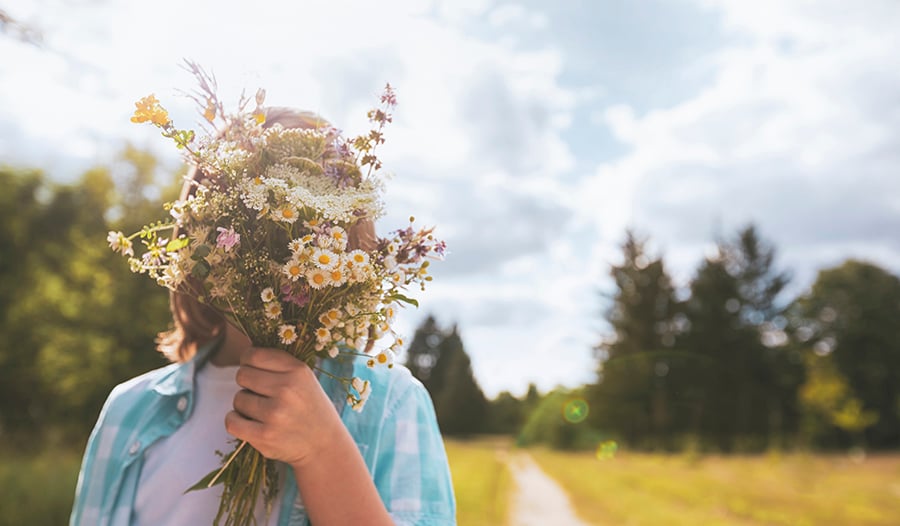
<point>264,239</point>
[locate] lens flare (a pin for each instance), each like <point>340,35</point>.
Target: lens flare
<point>606,450</point>
<point>575,410</point>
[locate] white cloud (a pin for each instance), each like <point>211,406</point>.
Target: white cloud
<point>790,121</point>
<point>794,132</point>
<point>476,145</point>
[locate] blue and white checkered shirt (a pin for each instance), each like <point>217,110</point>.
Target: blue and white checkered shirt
<point>396,433</point>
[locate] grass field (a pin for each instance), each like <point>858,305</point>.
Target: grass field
<point>795,490</point>
<point>38,490</point>
<point>481,480</point>
<point>628,489</point>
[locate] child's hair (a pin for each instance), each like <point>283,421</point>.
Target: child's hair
<point>195,324</point>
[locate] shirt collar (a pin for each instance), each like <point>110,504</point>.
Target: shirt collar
<point>180,379</point>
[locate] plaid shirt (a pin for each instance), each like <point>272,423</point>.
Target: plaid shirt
<point>396,433</point>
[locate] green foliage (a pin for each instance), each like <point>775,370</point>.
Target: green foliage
<point>459,403</point>
<point>547,424</point>
<point>438,359</point>
<point>849,320</point>
<point>506,414</point>
<point>715,369</point>
<point>422,354</point>
<point>741,394</point>
<point>38,490</point>
<point>634,393</point>
<point>75,320</point>
<point>826,394</point>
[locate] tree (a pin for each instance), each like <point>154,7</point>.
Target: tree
<point>439,360</point>
<point>20,214</point>
<point>75,321</point>
<point>742,389</point>
<point>547,423</point>
<point>827,397</point>
<point>422,354</point>
<point>632,394</point>
<point>458,400</point>
<point>506,414</point>
<point>850,316</point>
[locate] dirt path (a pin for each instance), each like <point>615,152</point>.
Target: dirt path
<point>538,499</point>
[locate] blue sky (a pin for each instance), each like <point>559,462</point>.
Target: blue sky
<point>532,133</point>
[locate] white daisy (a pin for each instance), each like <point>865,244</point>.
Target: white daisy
<point>267,295</point>
<point>293,269</point>
<point>285,213</point>
<point>288,334</point>
<point>325,259</point>
<point>318,278</point>
<point>272,310</point>
<point>358,258</point>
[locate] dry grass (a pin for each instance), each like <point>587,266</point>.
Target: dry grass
<point>791,490</point>
<point>481,480</point>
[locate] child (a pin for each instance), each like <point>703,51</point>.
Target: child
<point>157,434</point>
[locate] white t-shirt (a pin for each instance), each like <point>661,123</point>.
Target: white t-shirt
<point>177,462</point>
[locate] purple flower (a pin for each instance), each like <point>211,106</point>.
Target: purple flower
<point>389,97</point>
<point>227,238</point>
<point>299,298</point>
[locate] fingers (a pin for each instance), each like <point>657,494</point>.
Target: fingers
<point>270,359</point>
<point>242,428</point>
<point>253,406</point>
<point>259,381</point>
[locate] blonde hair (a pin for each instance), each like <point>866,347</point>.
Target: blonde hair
<point>195,324</point>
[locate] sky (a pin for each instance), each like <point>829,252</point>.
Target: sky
<point>531,134</point>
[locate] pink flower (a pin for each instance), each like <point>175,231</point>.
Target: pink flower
<point>227,238</point>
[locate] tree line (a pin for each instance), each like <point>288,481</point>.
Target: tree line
<point>728,362</point>
<point>737,366</point>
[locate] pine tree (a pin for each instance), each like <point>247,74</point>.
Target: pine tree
<point>438,359</point>
<point>632,394</point>
<point>458,400</point>
<point>743,389</point>
<point>422,354</point>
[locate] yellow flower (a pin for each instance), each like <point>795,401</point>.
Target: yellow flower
<point>210,112</point>
<point>148,109</point>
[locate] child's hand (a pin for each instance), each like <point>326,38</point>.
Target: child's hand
<point>282,411</point>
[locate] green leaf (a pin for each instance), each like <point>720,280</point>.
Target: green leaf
<point>200,269</point>
<point>400,297</point>
<point>204,482</point>
<point>177,244</point>
<point>201,252</point>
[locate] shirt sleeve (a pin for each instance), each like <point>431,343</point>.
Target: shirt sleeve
<point>411,471</point>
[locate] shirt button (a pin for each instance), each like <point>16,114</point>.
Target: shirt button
<point>182,403</point>
<point>134,448</point>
